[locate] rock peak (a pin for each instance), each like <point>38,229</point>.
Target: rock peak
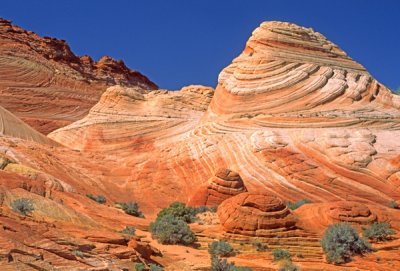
<point>106,70</point>
<point>290,42</point>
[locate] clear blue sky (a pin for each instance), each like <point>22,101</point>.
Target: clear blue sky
<point>181,42</point>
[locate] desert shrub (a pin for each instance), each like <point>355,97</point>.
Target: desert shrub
<point>78,253</point>
<point>341,241</point>
<point>379,231</point>
<point>99,198</point>
<point>140,267</point>
<point>154,267</point>
<point>129,230</point>
<point>288,266</point>
<point>168,229</point>
<point>260,247</point>
<point>203,209</point>
<point>220,248</point>
<point>393,204</point>
<point>280,254</point>
<point>179,210</point>
<point>213,209</point>
<point>299,255</point>
<point>131,208</point>
<point>23,206</point>
<point>218,264</point>
<point>297,204</point>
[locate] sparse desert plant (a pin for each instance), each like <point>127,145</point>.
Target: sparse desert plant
<point>379,231</point>
<point>169,229</point>
<point>220,248</point>
<point>288,266</point>
<point>260,247</point>
<point>131,208</point>
<point>180,211</point>
<point>140,267</point>
<point>299,255</point>
<point>154,267</point>
<point>281,254</point>
<point>129,230</point>
<point>213,209</point>
<point>201,209</point>
<point>393,204</point>
<point>78,253</point>
<point>99,198</point>
<point>218,264</point>
<point>297,204</point>
<point>341,241</point>
<point>23,206</point>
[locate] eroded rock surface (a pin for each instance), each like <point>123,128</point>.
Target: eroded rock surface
<point>255,214</point>
<point>43,82</point>
<point>293,117</point>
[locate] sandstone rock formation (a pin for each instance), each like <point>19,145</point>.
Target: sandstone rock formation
<point>293,117</point>
<point>255,214</point>
<point>48,86</point>
<point>223,185</point>
<point>127,119</point>
<point>351,212</point>
<point>11,126</point>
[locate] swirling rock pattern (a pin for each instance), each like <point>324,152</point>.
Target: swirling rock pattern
<point>45,84</point>
<point>292,76</point>
<point>293,117</point>
<point>255,214</point>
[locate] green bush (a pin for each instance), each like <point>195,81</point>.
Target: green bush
<point>203,209</point>
<point>218,264</point>
<point>23,206</point>
<point>168,229</point>
<point>260,247</point>
<point>154,267</point>
<point>78,253</point>
<point>288,266</point>
<point>341,241</point>
<point>131,208</point>
<point>220,248</point>
<point>299,255</point>
<point>393,204</point>
<point>99,198</point>
<point>179,210</point>
<point>297,204</point>
<point>140,267</point>
<point>379,231</point>
<point>280,254</point>
<point>129,230</point>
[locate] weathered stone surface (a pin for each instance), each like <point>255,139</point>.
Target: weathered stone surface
<point>293,117</point>
<point>11,126</point>
<point>256,215</point>
<point>225,184</point>
<point>44,83</point>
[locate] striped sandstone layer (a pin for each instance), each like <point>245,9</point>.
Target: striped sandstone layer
<point>45,84</point>
<point>293,117</point>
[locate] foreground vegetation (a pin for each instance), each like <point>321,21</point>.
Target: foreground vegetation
<point>341,241</point>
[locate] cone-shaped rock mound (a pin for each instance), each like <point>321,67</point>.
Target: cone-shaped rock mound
<point>225,184</point>
<point>255,214</point>
<point>293,76</point>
